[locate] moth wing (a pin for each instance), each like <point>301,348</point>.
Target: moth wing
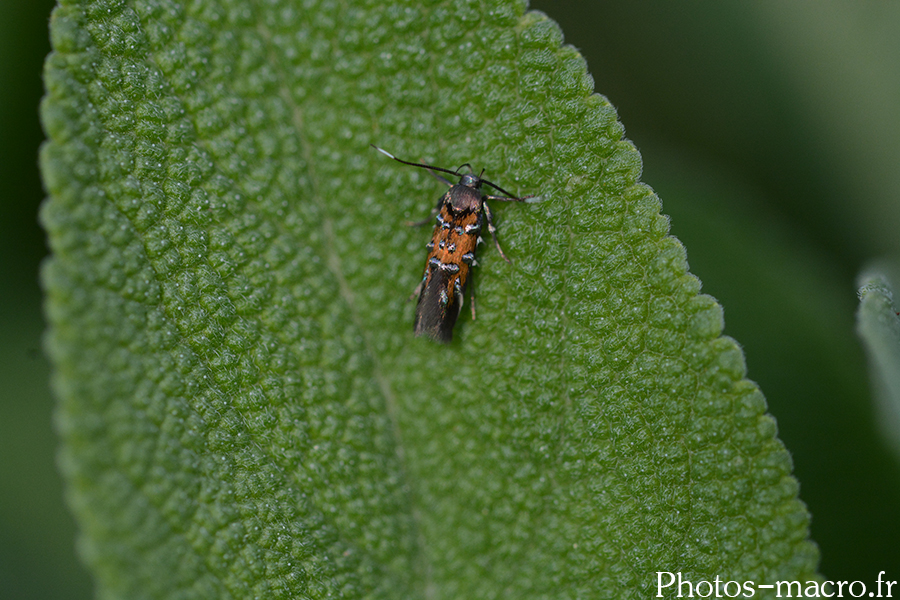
<point>439,305</point>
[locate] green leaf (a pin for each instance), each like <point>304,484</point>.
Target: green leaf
<point>243,407</point>
<point>787,302</point>
<point>878,324</point>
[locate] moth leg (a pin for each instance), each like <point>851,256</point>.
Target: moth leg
<point>436,209</point>
<point>434,212</point>
<point>443,180</point>
<point>417,291</point>
<point>430,219</point>
<point>472,295</point>
<point>492,229</point>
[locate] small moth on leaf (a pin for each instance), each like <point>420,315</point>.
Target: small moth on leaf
<point>460,214</point>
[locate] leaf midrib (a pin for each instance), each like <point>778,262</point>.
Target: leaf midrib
<point>333,261</point>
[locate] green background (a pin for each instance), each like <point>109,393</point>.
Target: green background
<point>771,134</point>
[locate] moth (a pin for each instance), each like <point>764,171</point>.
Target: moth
<point>460,214</point>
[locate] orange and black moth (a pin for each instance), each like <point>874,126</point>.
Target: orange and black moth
<point>460,214</point>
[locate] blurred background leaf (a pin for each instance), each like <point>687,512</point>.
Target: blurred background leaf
<point>878,324</point>
<point>792,137</point>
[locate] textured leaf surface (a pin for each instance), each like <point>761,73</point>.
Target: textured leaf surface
<point>243,407</point>
<point>789,307</point>
<point>879,326</point>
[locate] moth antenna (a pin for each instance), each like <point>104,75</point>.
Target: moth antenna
<point>413,164</point>
<point>498,188</point>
